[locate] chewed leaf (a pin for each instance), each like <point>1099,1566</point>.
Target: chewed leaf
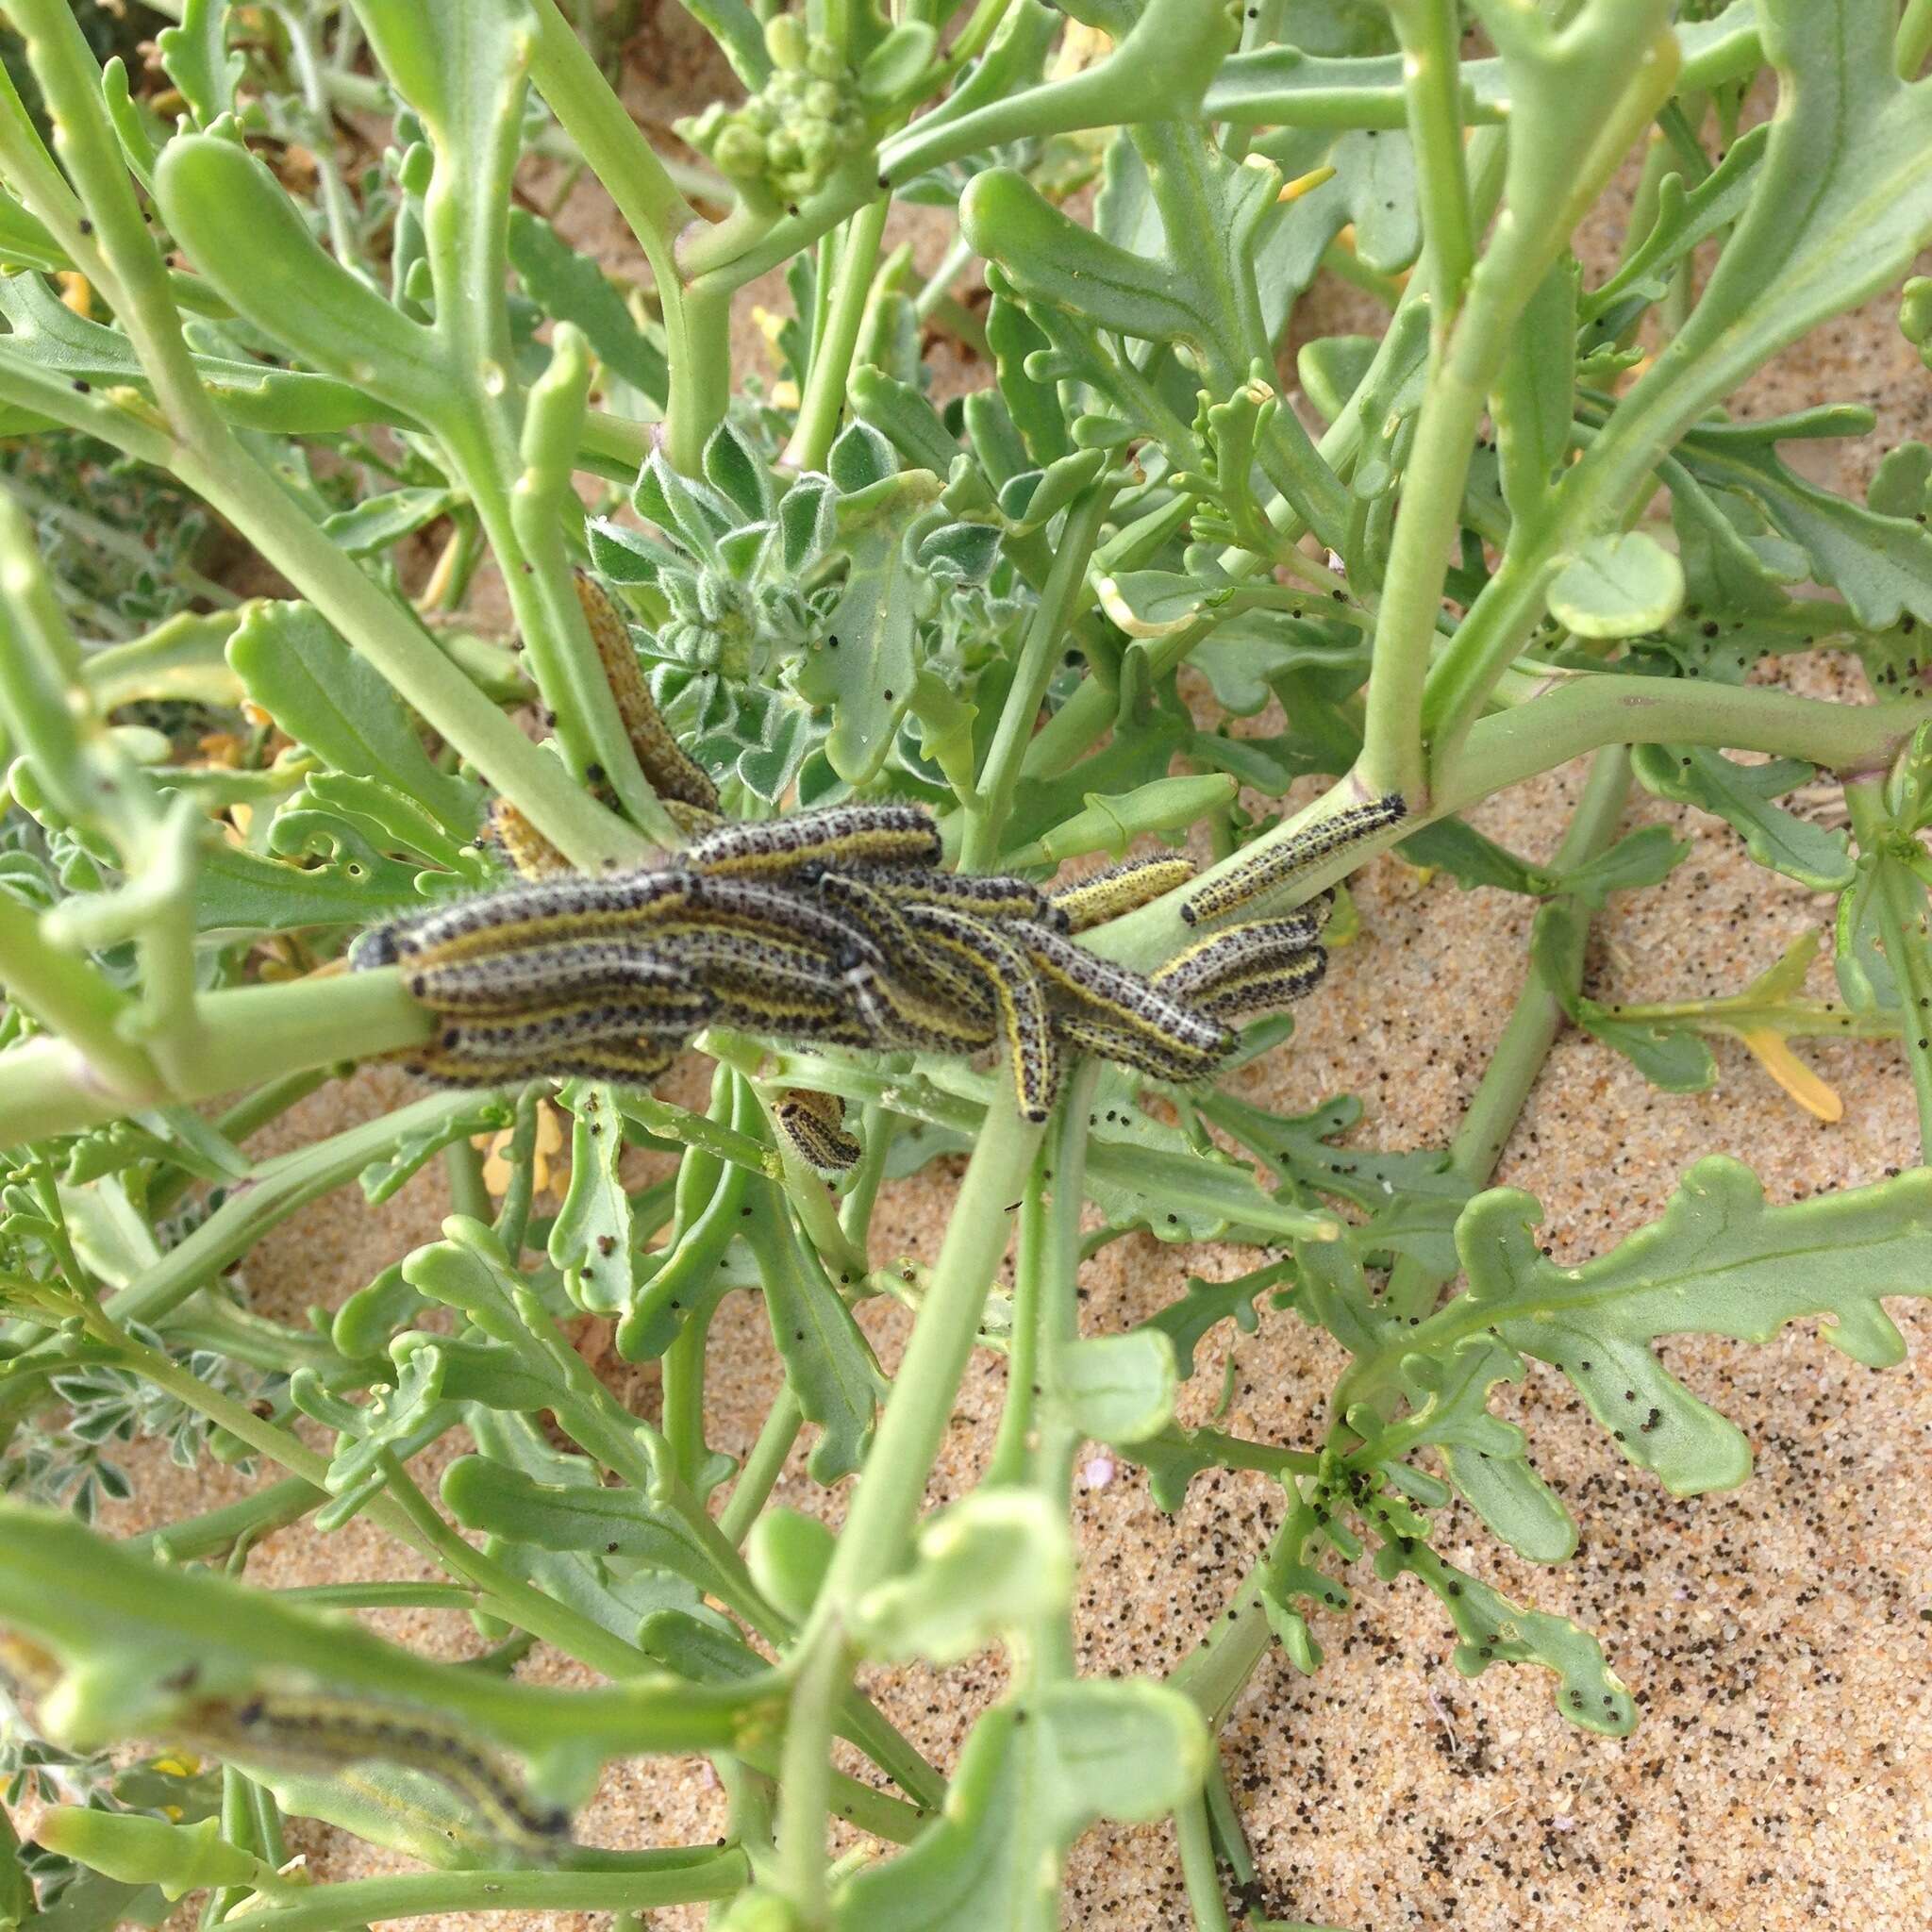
<point>1033,1778</point>
<point>1494,1631</point>
<point>1719,1261</point>
<point>592,1237</point>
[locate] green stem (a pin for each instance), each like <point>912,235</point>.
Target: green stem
<point>762,1467</point>
<point>818,1671</point>
<point>1580,713</point>
<point>1531,1029</point>
<point>1430,31</point>
<point>307,1023</point>
<point>822,404</point>
<point>211,1535</point>
<point>1902,921</point>
<point>65,992</point>
<point>684,1877</point>
<point>1066,586</point>
<point>1199,1869</point>
<point>878,1528</point>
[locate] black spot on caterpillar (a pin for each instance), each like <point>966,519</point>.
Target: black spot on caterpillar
<point>815,1126</point>
<point>846,835</point>
<point>1263,869</point>
<point>1256,946</point>
<point>1120,889</point>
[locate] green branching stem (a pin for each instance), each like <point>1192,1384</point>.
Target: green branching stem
<point>1572,714</point>
<point>1552,180</point>
<point>823,402</point>
<point>1063,596</point>
<point>1200,1871</point>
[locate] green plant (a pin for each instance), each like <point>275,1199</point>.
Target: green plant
<point>1528,532</point>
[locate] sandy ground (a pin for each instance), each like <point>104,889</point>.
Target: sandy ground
<point>1777,1639</point>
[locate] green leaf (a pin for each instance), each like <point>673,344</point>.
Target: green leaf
<point>569,287</point>
<point>1882,565</point>
<point>1841,203</point>
<point>866,661</point>
<point>235,224</point>
<point>179,1859</point>
<point>1116,1389</point>
<point>1645,858</point>
<point>1032,1778</point>
<point>1494,1631</point>
<point>490,1496</point>
<point>197,59</point>
<point>1207,1304</point>
<point>1000,1559</point>
<point>1471,859</point>
<point>326,697</point>
<point>828,1361</point>
<point>1483,1456</point>
<point>381,1179</point>
<point>49,335</point>
<point>898,62</point>
<point>789,1555</point>
<point>1617,587</point>
<point>377,522</point>
<point>590,1241</point>
<point>1741,796</point>
<point>1719,1261</point>
<point>1535,396</point>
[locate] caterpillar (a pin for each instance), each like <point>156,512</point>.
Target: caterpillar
<point>898,1015</point>
<point>537,911</point>
<point>815,1126</point>
<point>852,835</point>
<point>1145,1053</point>
<point>512,982</point>
<point>326,1734</point>
<point>1269,865</point>
<point>1257,946</point>
<point>980,895</point>
<point>1019,997</point>
<point>1267,989</point>
<point>540,1029</point>
<point>1120,889</point>
<point>1094,989</point>
<point>675,776</point>
<point>888,927</point>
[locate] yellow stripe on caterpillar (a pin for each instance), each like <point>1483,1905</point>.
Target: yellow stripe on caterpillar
<point>1019,997</point>
<point>1268,865</point>
<point>846,835</point>
<point>325,1734</point>
<point>1121,888</point>
<point>815,1126</point>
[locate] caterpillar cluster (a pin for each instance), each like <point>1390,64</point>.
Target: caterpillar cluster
<point>837,928</point>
